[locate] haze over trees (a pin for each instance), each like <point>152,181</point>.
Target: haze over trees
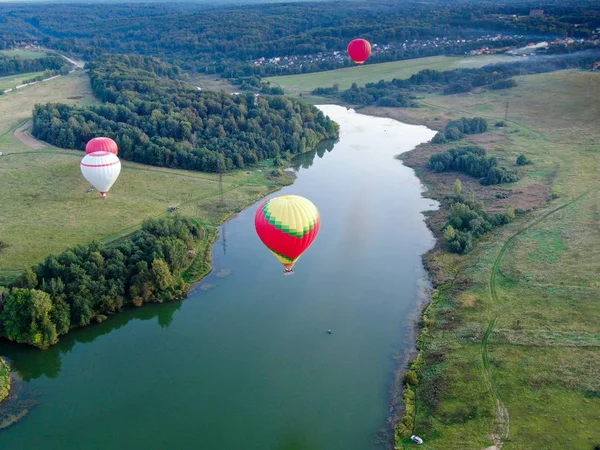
<point>225,40</point>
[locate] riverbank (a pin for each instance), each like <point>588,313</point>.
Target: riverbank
<point>4,379</point>
<point>503,317</point>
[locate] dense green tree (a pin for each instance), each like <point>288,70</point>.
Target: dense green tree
<point>26,318</point>
<point>457,188</point>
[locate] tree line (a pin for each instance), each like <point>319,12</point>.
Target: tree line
<point>85,283</point>
<point>14,65</point>
<point>455,130</point>
<point>401,92</point>
<point>473,161</point>
<point>159,120</point>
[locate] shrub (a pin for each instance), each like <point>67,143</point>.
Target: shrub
<point>522,160</point>
<point>410,377</point>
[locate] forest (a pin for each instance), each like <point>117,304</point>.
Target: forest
<point>15,65</point>
<point>87,282</point>
<point>401,92</point>
<point>224,40</point>
<point>159,120</point>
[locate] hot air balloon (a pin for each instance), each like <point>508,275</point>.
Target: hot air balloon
<point>359,50</point>
<point>101,144</point>
<point>287,225</point>
<point>101,170</point>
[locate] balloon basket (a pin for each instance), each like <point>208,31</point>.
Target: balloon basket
<point>287,273</point>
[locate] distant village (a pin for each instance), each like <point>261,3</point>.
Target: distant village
<point>444,42</point>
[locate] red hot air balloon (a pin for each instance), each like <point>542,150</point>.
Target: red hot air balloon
<point>101,144</point>
<point>287,225</point>
<point>359,50</point>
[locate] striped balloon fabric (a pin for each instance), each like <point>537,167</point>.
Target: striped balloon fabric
<point>287,225</point>
<point>101,144</point>
<point>101,170</point>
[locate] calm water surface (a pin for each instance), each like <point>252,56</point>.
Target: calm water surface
<point>245,361</point>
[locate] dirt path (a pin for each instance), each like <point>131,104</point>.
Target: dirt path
<point>23,134</point>
<point>79,64</point>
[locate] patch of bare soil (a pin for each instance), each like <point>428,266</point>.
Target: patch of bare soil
<point>487,140</point>
<point>23,134</point>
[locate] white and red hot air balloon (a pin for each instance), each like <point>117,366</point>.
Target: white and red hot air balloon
<point>101,170</point>
<point>101,144</point>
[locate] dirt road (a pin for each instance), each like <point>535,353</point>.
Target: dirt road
<point>23,134</point>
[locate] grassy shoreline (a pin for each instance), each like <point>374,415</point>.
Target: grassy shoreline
<point>4,380</point>
<point>471,393</point>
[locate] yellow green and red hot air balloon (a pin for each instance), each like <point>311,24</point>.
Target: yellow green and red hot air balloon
<point>287,225</point>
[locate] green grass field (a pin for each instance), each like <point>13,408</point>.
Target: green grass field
<point>513,355</point>
<point>44,207</point>
<point>372,73</point>
<point>24,54</point>
<point>11,81</point>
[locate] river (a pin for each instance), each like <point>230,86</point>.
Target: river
<point>245,361</point>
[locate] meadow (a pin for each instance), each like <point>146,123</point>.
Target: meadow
<point>25,54</point>
<point>512,347</point>
<point>510,344</point>
<point>45,207</point>
<point>12,81</point>
<point>372,73</point>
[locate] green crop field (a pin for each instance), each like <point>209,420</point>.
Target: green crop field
<point>512,353</point>
<point>44,207</point>
<point>372,73</point>
<point>25,54</point>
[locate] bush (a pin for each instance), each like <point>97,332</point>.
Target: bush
<point>503,84</point>
<point>500,124</point>
<point>439,138</point>
<point>410,377</point>
<point>326,90</point>
<point>522,160</point>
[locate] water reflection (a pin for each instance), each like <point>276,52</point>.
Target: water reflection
<point>305,160</point>
<point>31,363</point>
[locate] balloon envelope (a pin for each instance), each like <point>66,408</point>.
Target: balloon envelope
<point>101,144</point>
<point>359,50</point>
<point>101,170</point>
<point>287,225</point>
